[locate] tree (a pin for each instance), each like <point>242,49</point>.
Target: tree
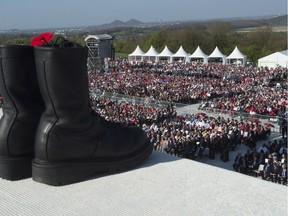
<point>157,39</point>
<point>219,34</point>
<point>192,37</point>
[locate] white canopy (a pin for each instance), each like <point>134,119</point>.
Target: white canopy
<point>150,55</point>
<point>136,55</point>
<point>198,53</point>
<point>181,54</point>
<point>275,59</point>
<point>237,56</point>
<point>165,54</point>
<point>217,54</point>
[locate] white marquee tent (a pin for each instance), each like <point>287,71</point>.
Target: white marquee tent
<point>137,55</point>
<point>237,57</point>
<point>166,54</point>
<point>151,55</point>
<point>217,54</point>
<point>275,59</point>
<point>199,54</point>
<point>181,54</point>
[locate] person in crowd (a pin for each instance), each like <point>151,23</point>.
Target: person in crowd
<point>284,128</point>
<point>238,162</point>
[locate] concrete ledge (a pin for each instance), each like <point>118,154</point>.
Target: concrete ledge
<point>164,185</point>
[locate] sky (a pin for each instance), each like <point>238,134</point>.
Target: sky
<point>34,14</point>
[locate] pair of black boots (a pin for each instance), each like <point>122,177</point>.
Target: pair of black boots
<point>47,120</point>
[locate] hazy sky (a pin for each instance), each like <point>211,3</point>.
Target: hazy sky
<point>27,14</point>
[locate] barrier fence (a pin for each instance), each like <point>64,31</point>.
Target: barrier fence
<point>274,121</point>
<point>135,100</point>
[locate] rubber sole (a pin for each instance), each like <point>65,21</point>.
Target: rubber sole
<point>15,168</point>
<point>65,173</point>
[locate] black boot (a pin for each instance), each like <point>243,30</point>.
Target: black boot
<point>73,143</point>
<point>22,108</point>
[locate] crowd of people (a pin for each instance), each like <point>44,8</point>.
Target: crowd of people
<point>197,135</point>
<point>224,87</point>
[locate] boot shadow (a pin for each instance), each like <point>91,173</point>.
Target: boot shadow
<point>154,159</point>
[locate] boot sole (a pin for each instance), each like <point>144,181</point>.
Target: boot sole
<point>64,173</point>
<point>14,168</point>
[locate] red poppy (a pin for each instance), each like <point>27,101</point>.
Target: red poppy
<point>41,39</point>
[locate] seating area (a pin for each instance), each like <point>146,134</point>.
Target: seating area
<point>268,162</point>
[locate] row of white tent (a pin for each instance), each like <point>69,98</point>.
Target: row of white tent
<point>181,55</point>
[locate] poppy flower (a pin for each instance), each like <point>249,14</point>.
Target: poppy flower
<point>41,39</point>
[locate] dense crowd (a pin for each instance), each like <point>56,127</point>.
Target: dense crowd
<point>130,114</point>
<point>261,100</point>
<point>177,134</point>
<point>196,135</point>
<point>225,87</point>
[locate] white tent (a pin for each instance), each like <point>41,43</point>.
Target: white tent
<point>181,55</point>
<point>274,60</point>
<point>237,57</point>
<point>199,54</point>
<point>165,55</point>
<point>137,55</point>
<point>150,55</point>
<point>216,54</point>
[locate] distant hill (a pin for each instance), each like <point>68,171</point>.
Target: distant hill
<point>279,20</point>
<point>259,21</point>
<point>119,23</point>
<point>116,23</point>
<point>133,22</point>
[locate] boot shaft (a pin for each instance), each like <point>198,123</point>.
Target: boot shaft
<point>18,82</point>
<point>22,102</point>
<point>63,80</point>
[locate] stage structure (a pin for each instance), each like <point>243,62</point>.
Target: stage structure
<point>100,47</point>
